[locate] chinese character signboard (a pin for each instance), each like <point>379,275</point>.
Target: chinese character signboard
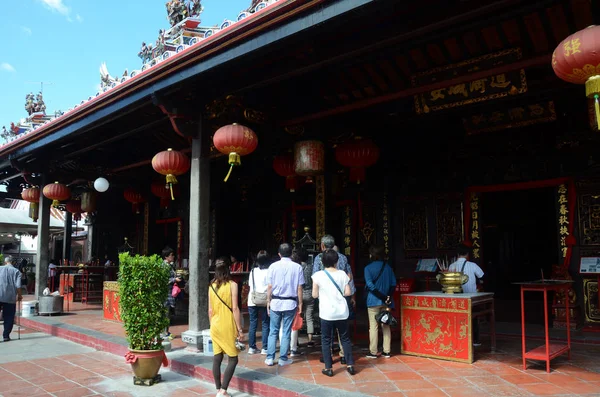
<point>492,87</point>
<point>437,327</point>
<point>475,232</point>
<point>386,225</point>
<point>563,219</point>
<point>110,301</point>
<point>503,119</point>
<point>347,231</point>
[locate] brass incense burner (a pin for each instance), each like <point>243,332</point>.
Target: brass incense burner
<point>452,281</point>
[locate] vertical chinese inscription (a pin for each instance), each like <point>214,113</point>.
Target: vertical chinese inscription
<point>563,218</point>
<point>415,227</point>
<point>179,241</point>
<point>347,231</point>
<point>449,223</point>
<point>320,205</point>
<point>386,225</point>
<point>475,232</point>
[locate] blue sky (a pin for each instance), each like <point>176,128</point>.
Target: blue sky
<point>63,42</point>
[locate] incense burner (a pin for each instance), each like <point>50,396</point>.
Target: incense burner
<point>452,281</point>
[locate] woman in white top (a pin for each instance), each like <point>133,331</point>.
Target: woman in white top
<point>258,280</point>
<point>331,287</point>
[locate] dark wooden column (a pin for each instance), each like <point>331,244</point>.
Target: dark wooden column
<point>66,254</point>
<point>43,234</point>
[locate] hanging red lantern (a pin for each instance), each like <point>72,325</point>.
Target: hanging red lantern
<point>235,140</point>
<point>309,159</point>
<point>56,192</point>
<point>88,201</point>
<point>577,60</point>
<point>284,166</point>
<point>163,193</point>
<point>135,198</point>
<point>74,207</point>
<point>171,163</point>
<point>358,154</point>
<point>32,196</point>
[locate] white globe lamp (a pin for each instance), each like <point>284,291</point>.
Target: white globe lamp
<point>101,185</point>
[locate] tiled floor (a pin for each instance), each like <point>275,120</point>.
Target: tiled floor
<point>493,374</point>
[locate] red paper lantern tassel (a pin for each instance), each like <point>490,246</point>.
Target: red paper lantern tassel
<point>357,174</point>
<point>597,106</point>
<point>164,203</point>
<point>291,183</point>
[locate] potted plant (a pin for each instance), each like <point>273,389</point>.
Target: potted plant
<point>143,288</point>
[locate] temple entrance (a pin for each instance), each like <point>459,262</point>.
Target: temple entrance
<point>519,241</point>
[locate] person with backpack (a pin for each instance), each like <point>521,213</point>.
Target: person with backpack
<point>225,324</point>
<point>380,284</point>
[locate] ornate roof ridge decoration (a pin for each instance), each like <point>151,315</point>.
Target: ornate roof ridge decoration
<point>231,108</point>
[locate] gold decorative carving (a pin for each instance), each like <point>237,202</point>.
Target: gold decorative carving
<point>255,116</point>
<point>589,219</point>
<point>449,223</point>
<point>111,286</point>
<point>278,235</point>
<point>591,303</point>
<point>415,227</point>
<point>296,130</point>
<point>320,205</point>
<point>367,232</point>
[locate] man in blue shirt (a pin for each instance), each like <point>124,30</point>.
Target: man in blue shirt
<point>328,242</point>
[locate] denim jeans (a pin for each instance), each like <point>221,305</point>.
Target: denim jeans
<point>287,316</point>
<point>327,328</point>
<point>8,313</point>
<point>254,312</point>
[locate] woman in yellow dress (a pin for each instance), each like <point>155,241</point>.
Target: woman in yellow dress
<point>225,323</point>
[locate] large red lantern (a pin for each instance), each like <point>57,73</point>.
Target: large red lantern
<point>284,166</point>
<point>577,60</point>
<point>163,193</point>
<point>171,163</point>
<point>309,159</point>
<point>74,207</point>
<point>235,140</point>
<point>57,192</point>
<point>32,196</point>
<point>135,198</point>
<point>358,154</point>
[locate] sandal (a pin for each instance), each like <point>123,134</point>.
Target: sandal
<point>327,372</point>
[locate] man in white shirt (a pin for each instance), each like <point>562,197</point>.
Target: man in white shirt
<point>474,272</point>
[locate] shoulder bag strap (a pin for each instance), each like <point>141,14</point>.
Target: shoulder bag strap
<point>378,275</point>
<point>334,283</point>
<point>213,288</point>
<point>462,270</point>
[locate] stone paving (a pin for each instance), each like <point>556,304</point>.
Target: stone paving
<point>43,365</point>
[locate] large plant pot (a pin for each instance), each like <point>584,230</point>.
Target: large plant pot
<point>146,363</point>
<point>452,281</point>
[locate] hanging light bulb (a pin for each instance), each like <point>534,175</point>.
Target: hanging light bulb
<point>101,185</point>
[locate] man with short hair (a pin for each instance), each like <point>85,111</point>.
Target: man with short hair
<point>10,293</point>
<point>285,279</point>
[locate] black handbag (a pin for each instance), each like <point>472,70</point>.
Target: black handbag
<point>386,317</point>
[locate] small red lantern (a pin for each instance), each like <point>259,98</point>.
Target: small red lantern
<point>135,198</point>
<point>309,159</point>
<point>357,154</point>
<point>235,140</point>
<point>163,193</point>
<point>74,207</point>
<point>32,196</point>
<point>577,60</point>
<point>171,163</point>
<point>57,192</point>
<point>284,166</point>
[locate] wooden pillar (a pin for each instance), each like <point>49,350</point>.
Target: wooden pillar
<point>68,230</point>
<point>320,206</point>
<point>43,235</point>
<point>199,242</point>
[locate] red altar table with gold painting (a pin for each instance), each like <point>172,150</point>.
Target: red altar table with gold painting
<point>438,325</point>
<point>110,301</point>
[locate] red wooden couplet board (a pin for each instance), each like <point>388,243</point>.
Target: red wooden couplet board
<point>111,305</point>
<point>437,327</point>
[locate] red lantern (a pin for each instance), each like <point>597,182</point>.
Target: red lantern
<point>284,166</point>
<point>577,60</point>
<point>32,196</point>
<point>171,163</point>
<point>135,198</point>
<point>309,159</point>
<point>56,192</point>
<point>235,140</point>
<point>74,207</point>
<point>357,154</point>
<point>163,193</point>
<point>88,201</point>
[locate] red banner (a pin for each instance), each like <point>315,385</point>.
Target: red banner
<point>437,327</point>
<point>111,305</point>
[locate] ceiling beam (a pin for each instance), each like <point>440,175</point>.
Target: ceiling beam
<point>524,64</point>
